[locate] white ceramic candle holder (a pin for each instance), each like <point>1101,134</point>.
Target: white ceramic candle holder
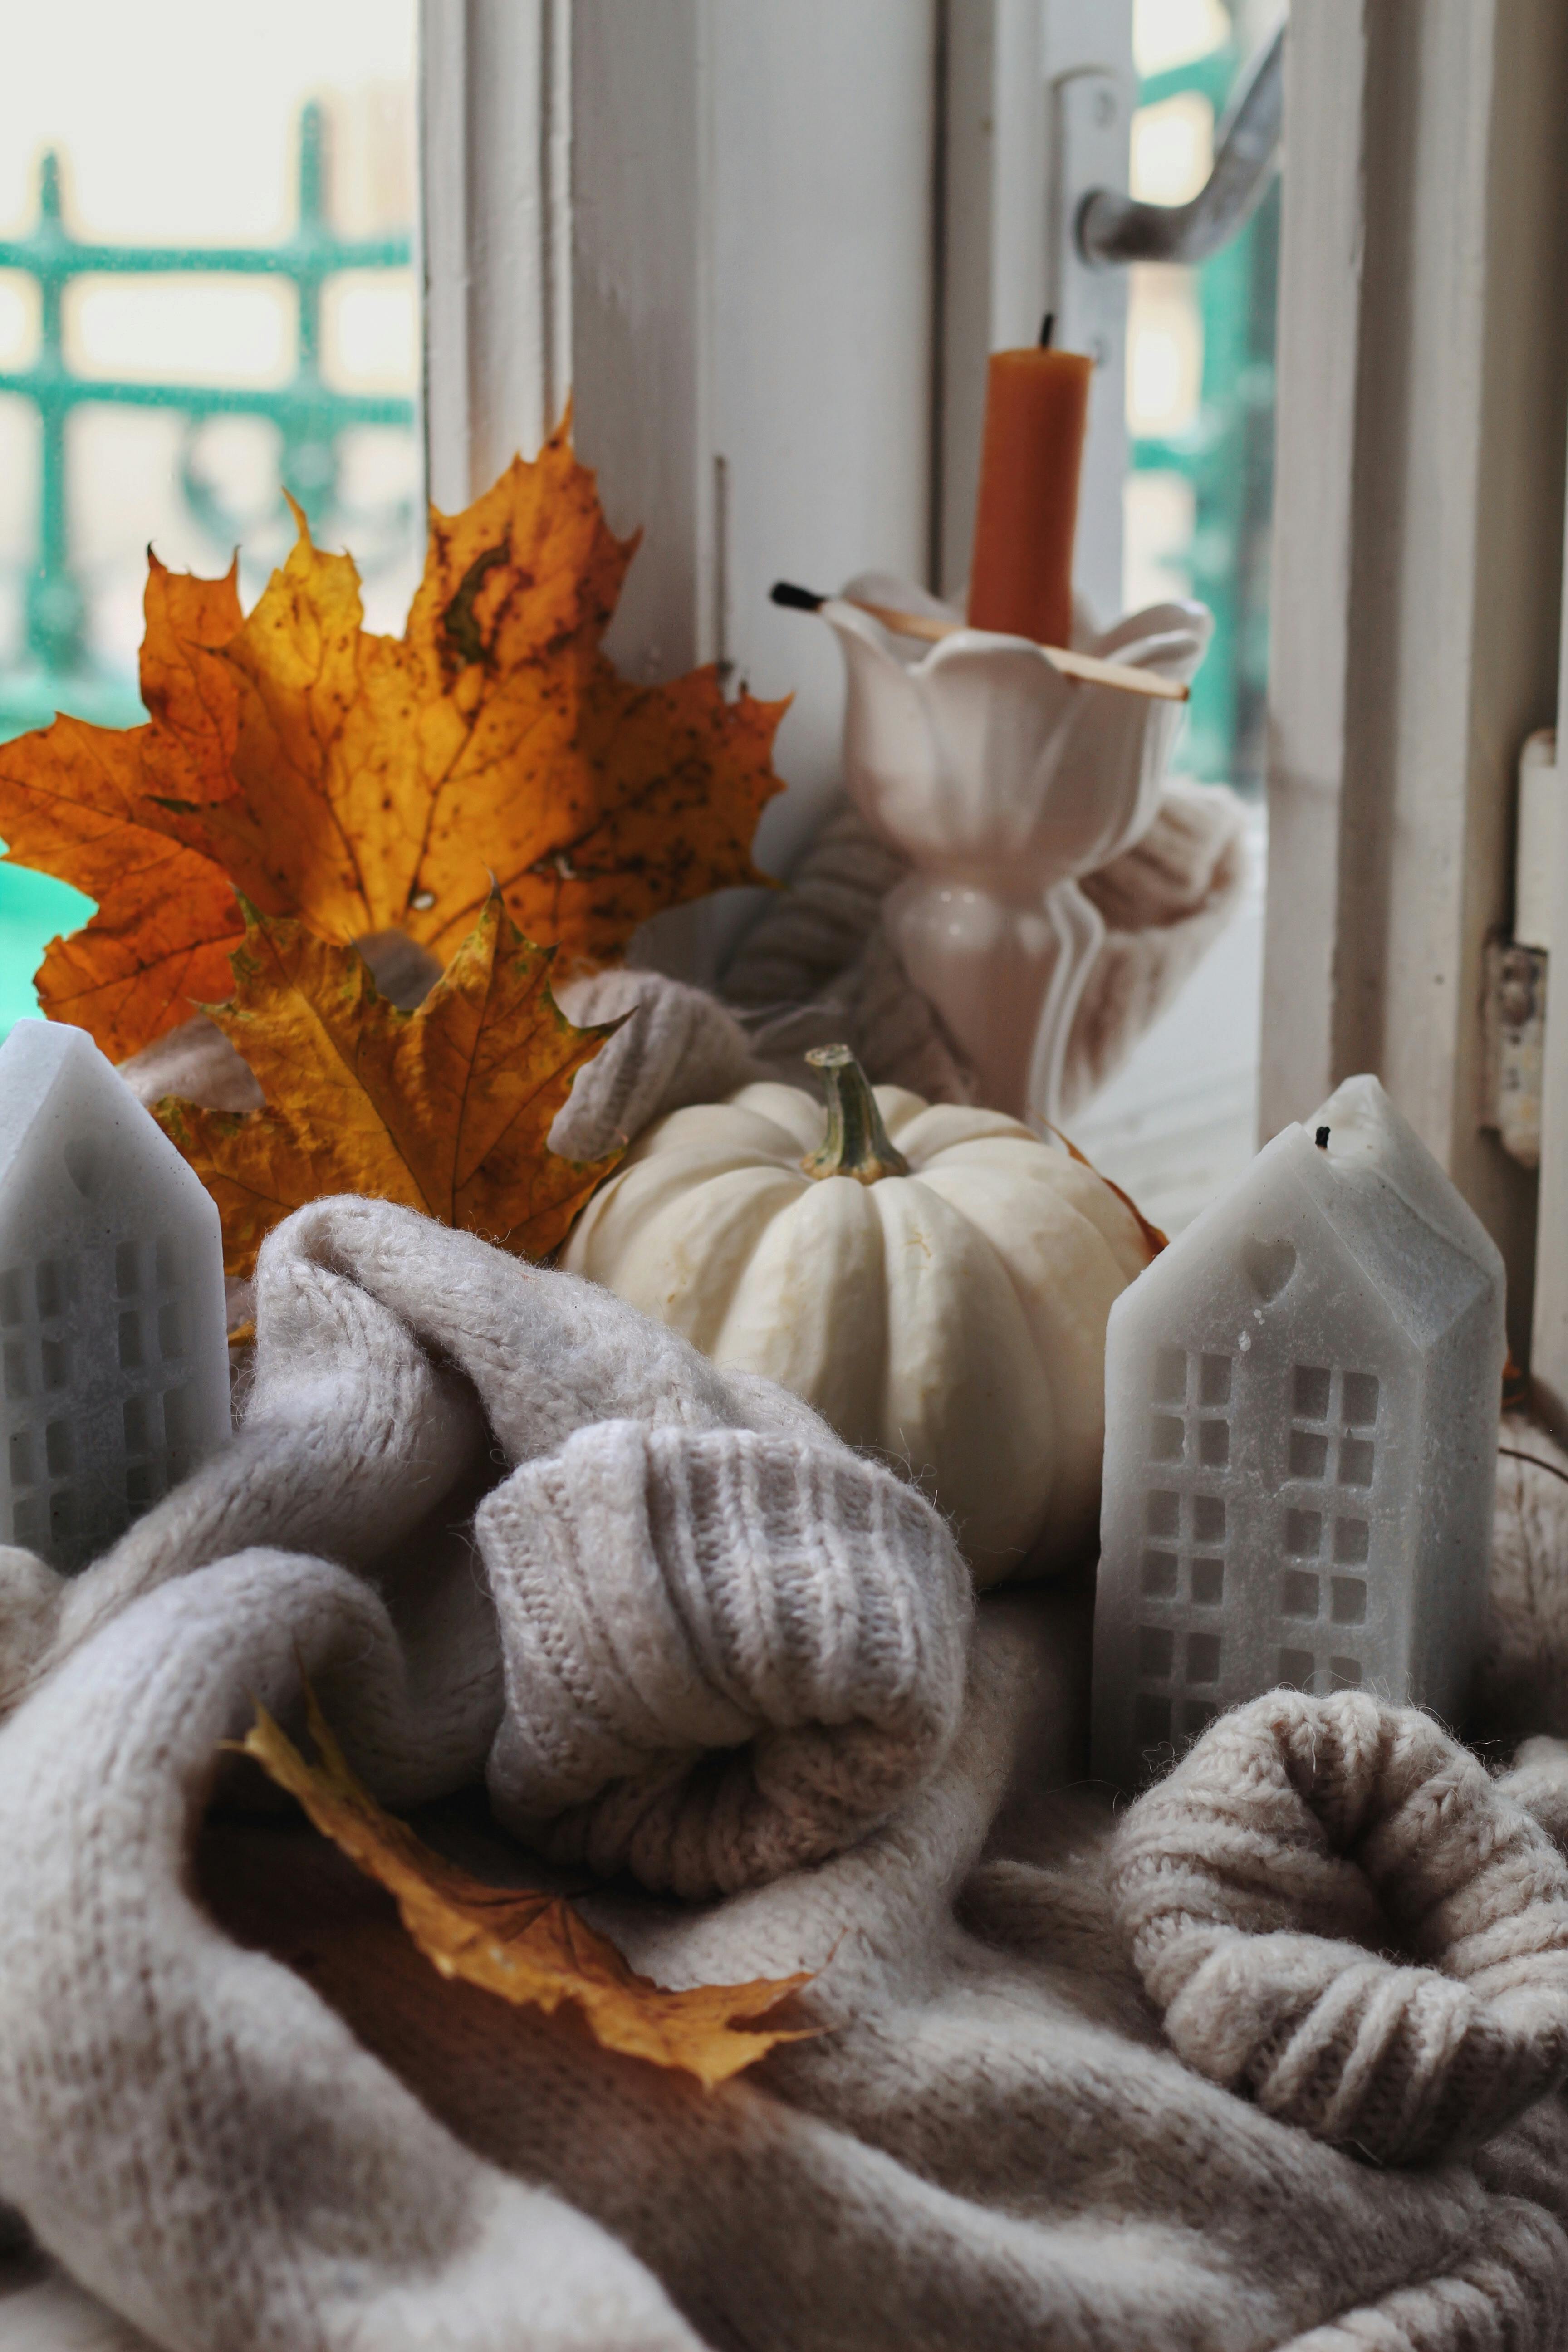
<point>1002,782</point>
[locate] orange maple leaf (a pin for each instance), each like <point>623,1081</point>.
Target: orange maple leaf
<point>446,1109</point>
<point>77,802</point>
<point>362,783</point>
<point>530,1947</point>
<point>383,782</point>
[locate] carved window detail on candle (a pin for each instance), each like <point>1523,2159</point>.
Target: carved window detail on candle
<point>1308,1454</point>
<point>1214,1444</point>
<point>1165,1433</point>
<point>1208,1582</point>
<point>1357,1456</point>
<point>1298,1669</point>
<point>111,1296</point>
<point>1163,1512</point>
<point>1311,1389</point>
<point>1158,1582</point>
<point>40,1309</point>
<point>1299,1595</point>
<point>1156,1652</point>
<point>179,1431</point>
<point>1303,1534</point>
<point>1360,1402</point>
<point>1203,1658</point>
<point>1208,1518</point>
<point>1344,1674</point>
<point>1351,1538</point>
<point>1349,1600</point>
<point>1198,1714</point>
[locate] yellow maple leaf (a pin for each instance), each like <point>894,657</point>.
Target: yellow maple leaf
<point>446,1109</point>
<point>362,783</point>
<point>530,1947</point>
<point>79,802</point>
<point>383,782</point>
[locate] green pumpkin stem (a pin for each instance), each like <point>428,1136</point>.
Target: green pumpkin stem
<point>857,1143</point>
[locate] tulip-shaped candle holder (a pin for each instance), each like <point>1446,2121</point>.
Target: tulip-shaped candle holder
<point>1002,782</point>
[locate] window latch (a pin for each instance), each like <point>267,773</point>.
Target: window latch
<point>1110,227</point>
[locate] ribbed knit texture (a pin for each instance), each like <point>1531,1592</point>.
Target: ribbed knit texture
<point>726,1656</point>
<point>1261,1884</point>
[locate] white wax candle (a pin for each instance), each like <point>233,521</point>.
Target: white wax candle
<point>113,1345</point>
<point>1301,1410</point>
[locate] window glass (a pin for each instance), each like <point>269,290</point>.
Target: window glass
<point>1179,1121</point>
<point>1200,387</point>
<point>242,320</point>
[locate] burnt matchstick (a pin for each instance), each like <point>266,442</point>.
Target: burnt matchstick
<point>796,600</point>
<point>1122,675</point>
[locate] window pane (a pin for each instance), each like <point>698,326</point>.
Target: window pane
<point>1178,1123</point>
<point>249,324</point>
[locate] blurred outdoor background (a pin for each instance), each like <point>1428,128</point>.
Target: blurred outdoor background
<point>151,397</point>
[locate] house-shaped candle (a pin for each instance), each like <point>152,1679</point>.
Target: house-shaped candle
<point>1301,1413</point>
<point>113,1347</point>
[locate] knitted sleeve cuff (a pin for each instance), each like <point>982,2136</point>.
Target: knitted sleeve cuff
<point>726,1654</point>
<point>1260,1885</point>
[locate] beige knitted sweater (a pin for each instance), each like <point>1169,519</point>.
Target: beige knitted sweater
<point>1274,2062</point>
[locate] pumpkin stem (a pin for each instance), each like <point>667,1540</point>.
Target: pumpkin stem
<point>857,1143</point>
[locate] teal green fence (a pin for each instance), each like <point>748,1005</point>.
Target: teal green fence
<point>57,670</point>
<point>1228,457</point>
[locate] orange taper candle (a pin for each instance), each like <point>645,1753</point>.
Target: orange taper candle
<point>1036,410</point>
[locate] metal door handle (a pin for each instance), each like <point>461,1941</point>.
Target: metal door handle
<point>1111,227</point>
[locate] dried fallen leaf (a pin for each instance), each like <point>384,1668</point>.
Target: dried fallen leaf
<point>530,1948</point>
<point>79,802</point>
<point>360,783</point>
<point>1154,1241</point>
<point>381,782</point>
<point>446,1109</point>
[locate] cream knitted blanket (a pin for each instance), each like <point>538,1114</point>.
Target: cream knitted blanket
<point>1273,2061</point>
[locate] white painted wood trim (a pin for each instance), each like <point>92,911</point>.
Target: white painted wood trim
<point>1315,422</point>
<point>495,132</point>
<point>1417,551</point>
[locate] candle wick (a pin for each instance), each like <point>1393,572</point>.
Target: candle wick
<point>1322,1139</point>
<point>1047,329</point>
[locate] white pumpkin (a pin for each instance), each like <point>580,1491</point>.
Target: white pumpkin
<point>935,1280</point>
